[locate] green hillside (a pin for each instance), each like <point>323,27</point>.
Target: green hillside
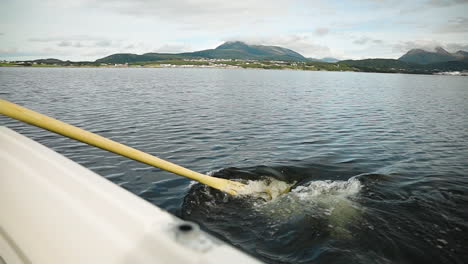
<point>240,54</point>
<point>228,50</point>
<point>395,66</point>
<point>439,55</point>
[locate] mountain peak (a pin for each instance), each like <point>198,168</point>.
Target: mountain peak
<point>261,52</point>
<point>232,45</point>
<point>441,50</point>
<point>415,51</point>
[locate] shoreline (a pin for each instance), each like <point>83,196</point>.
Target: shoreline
<point>191,66</point>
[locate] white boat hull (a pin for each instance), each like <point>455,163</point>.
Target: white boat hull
<point>53,210</point>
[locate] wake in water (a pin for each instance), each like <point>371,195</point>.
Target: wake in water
<point>326,201</point>
<point>319,217</point>
<point>327,205</point>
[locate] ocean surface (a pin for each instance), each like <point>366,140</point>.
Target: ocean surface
<point>378,162</point>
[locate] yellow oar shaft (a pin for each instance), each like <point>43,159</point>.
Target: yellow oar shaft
<point>31,117</point>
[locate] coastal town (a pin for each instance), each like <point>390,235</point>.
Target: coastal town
<point>191,63</point>
<point>221,63</point>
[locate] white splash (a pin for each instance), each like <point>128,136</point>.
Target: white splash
<point>329,200</point>
<point>329,188</point>
<point>268,189</point>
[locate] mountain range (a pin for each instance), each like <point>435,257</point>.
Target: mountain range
<point>439,55</point>
<point>243,51</point>
<point>228,50</point>
<point>414,61</point>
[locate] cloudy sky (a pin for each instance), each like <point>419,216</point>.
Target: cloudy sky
<point>90,29</point>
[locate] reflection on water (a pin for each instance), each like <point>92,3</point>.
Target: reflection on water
<point>377,162</point>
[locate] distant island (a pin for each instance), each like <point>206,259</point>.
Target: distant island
<point>237,54</point>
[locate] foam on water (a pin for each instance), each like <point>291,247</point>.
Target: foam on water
<point>270,189</point>
<point>267,189</point>
<point>327,200</point>
<point>325,188</point>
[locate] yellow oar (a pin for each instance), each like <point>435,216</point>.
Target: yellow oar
<point>59,127</point>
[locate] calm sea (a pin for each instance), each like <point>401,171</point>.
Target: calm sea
<point>379,161</point>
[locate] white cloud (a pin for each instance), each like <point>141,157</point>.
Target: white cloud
<point>201,14</point>
<point>453,47</point>
<point>367,40</point>
<point>429,45</point>
<point>314,28</point>
<point>65,43</point>
<point>445,3</point>
<point>6,51</point>
<point>174,48</point>
<point>103,43</point>
<point>65,38</point>
<point>459,24</point>
<point>321,31</point>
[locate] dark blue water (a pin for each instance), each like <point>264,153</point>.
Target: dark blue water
<point>379,162</point>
